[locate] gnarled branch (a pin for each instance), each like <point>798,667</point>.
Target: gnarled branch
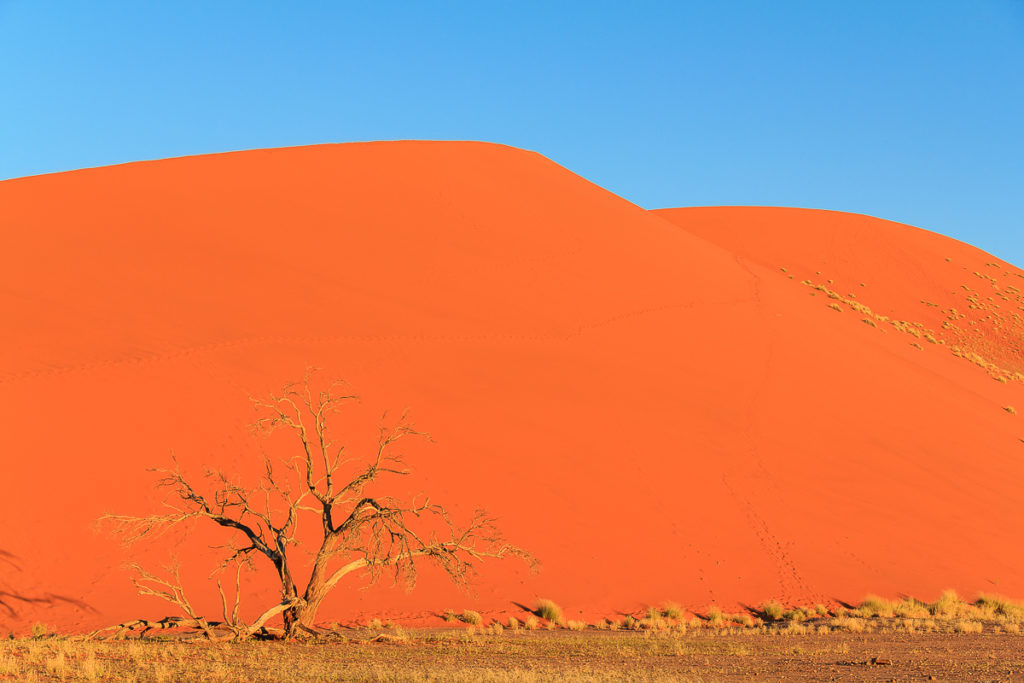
<point>357,531</point>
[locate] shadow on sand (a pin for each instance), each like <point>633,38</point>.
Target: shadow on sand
<point>11,596</point>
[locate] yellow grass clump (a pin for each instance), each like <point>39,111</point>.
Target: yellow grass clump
<point>948,605</point>
<point>548,609</point>
<point>672,611</point>
<point>772,610</point>
<point>874,606</point>
<point>968,626</point>
<point>472,618</point>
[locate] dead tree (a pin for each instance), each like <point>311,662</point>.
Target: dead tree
<point>356,529</point>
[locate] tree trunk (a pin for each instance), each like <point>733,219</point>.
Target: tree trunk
<point>291,615</point>
<point>291,620</point>
<point>307,614</point>
<point>315,592</point>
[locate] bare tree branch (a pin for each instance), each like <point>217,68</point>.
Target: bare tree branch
<point>357,531</point>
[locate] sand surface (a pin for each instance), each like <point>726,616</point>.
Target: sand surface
<point>659,405</point>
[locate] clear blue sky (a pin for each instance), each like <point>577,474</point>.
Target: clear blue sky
<point>908,110</point>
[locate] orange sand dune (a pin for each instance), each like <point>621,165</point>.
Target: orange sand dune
<point>649,403</point>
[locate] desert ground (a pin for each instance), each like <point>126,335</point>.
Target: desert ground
<point>945,641</point>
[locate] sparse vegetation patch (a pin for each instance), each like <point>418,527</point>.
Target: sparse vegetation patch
<point>549,610</point>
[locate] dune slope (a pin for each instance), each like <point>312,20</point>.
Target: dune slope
<point>646,400</point>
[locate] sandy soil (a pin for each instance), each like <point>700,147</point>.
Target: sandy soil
<point>536,656</point>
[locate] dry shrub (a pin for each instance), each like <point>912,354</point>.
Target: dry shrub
<point>772,610</point>
<point>947,606</point>
<point>472,618</point>
<point>513,623</point>
<point>744,620</point>
<point>575,625</point>
<point>672,611</point>
<point>655,624</point>
<point>850,624</point>
<point>548,609</point>
<point>874,606</point>
<point>967,626</point>
<point>999,606</point>
<point>910,608</point>
<point>532,623</point>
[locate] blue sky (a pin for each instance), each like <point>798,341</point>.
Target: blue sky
<point>907,110</point>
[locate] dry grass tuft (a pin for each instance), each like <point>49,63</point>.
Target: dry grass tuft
<point>911,609</point>
<point>472,618</point>
<point>849,624</point>
<point>948,605</point>
<point>874,606</point>
<point>796,614</point>
<point>744,620</point>
<point>1000,608</point>
<point>968,626</point>
<point>653,624</point>
<point>672,611</point>
<point>715,617</point>
<point>548,609</point>
<point>772,610</point>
